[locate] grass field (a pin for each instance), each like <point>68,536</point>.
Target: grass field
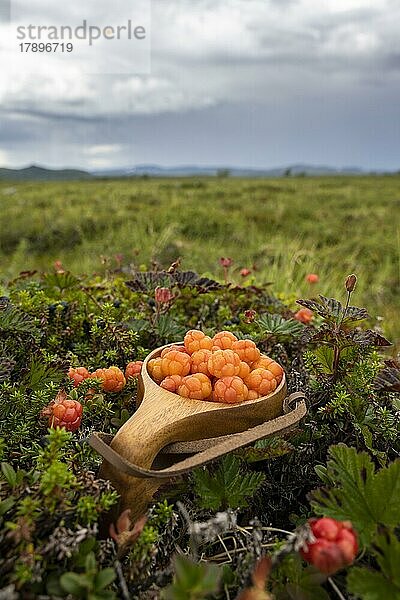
<point>285,227</point>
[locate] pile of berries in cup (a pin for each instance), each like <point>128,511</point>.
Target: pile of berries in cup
<point>219,369</point>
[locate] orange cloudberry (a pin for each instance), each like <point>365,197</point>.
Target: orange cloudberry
<point>78,374</point>
<point>262,363</point>
<point>246,350</point>
<point>262,381</point>
<point>171,383</point>
<point>154,368</point>
<point>304,315</point>
<point>200,362</point>
<point>113,379</point>
<point>173,347</point>
<point>244,370</point>
<point>63,412</point>
<point>268,363</point>
<point>133,369</point>
<point>253,395</point>
<point>230,390</point>
<point>196,340</point>
<point>224,340</point>
<point>196,387</point>
<point>176,363</point>
<point>224,363</point>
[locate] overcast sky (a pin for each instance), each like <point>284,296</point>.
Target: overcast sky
<point>257,83</point>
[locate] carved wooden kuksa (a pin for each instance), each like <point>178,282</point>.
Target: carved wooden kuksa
<point>163,418</point>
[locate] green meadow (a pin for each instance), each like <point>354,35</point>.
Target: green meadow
<point>281,229</point>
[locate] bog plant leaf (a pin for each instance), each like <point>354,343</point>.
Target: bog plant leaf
<point>362,495</point>
<point>193,581</point>
<point>13,321</point>
<point>277,326</point>
<point>333,311</point>
<point>227,486</point>
<point>62,281</point>
<point>266,449</point>
<point>374,585</point>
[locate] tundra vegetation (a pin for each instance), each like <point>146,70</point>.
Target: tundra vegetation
<point>314,513</point>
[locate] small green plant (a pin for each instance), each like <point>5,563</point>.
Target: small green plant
<point>192,581</point>
<point>227,485</point>
<point>359,493</point>
<point>92,584</point>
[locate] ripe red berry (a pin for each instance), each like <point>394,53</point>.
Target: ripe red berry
<point>133,369</point>
<point>304,315</point>
<point>78,375</point>
<point>335,545</point>
<point>171,383</point>
<point>113,379</point>
<point>312,278</point>
<point>63,412</point>
<point>325,528</point>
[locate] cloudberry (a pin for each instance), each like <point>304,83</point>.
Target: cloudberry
<point>224,363</point>
<point>262,363</point>
<point>113,379</point>
<point>267,363</point>
<point>246,350</point>
<point>200,362</point>
<point>196,340</point>
<point>63,412</point>
<point>335,545</point>
<point>304,315</point>
<point>171,383</point>
<point>176,363</point>
<point>173,347</point>
<point>253,395</point>
<point>224,340</point>
<point>196,387</point>
<point>230,390</point>
<point>312,278</point>
<point>133,369</point>
<point>261,381</point>
<point>78,375</point>
<point>154,368</point>
<point>244,370</point>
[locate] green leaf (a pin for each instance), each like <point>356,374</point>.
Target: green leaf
<point>90,563</point>
<point>62,281</point>
<point>104,578</point>
<point>359,494</point>
<point>386,548</point>
<point>9,474</point>
<point>72,583</point>
<point>6,504</point>
<point>279,327</point>
<point>40,374</point>
<point>332,310</point>
<point>192,581</point>
<point>226,486</point>
<point>13,321</point>
<point>266,449</point>
<point>371,585</point>
<point>325,357</point>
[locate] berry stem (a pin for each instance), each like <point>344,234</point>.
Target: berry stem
<point>336,589</point>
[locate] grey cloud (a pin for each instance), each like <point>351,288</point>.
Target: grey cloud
<point>253,85</point>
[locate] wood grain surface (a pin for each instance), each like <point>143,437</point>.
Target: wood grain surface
<point>163,418</point>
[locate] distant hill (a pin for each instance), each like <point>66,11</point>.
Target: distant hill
<point>212,171</point>
<point>35,173</point>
